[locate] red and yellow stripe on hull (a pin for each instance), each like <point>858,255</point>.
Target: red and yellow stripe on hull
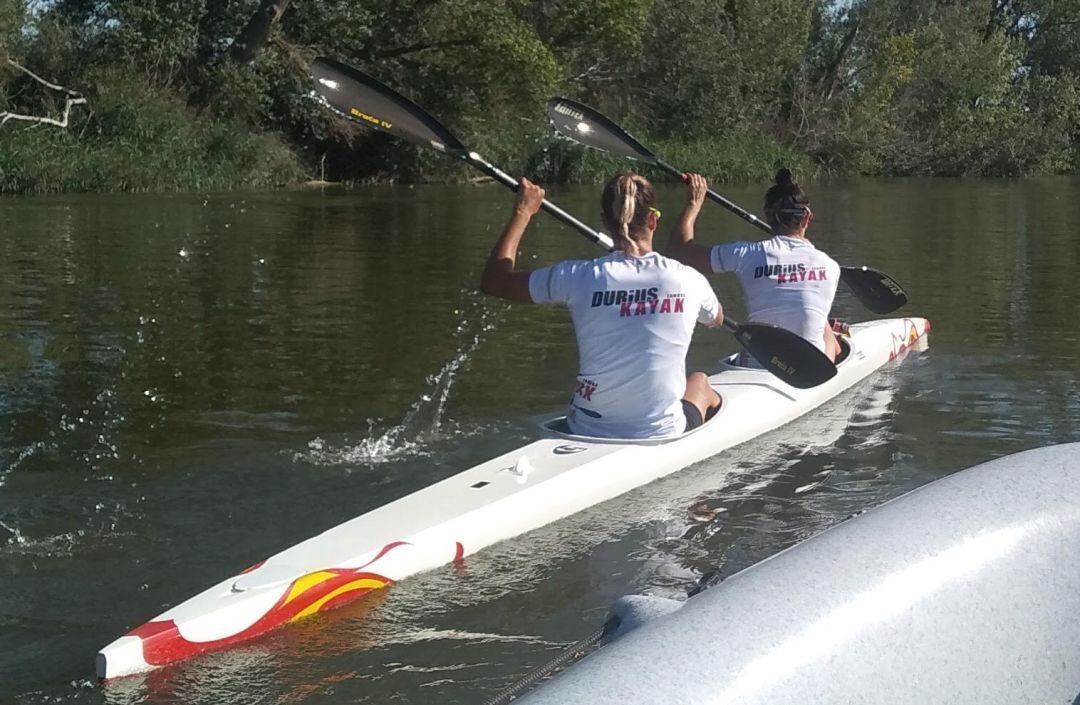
<point>318,591</point>
<point>910,337</point>
<point>163,643</point>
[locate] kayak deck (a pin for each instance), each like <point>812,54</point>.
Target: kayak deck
<point>521,490</point>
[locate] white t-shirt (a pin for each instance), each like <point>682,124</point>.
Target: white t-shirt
<point>634,317</point>
<point>787,282</point>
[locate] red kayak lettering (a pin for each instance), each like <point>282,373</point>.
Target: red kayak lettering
<point>585,389</point>
<point>645,308</point>
<point>813,275</point>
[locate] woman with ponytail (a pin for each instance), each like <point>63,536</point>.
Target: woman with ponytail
<point>787,281</point>
<point>633,310</point>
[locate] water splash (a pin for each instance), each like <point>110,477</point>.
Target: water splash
<point>93,430</point>
<point>23,455</point>
<point>19,543</point>
<point>373,449</point>
<point>16,535</point>
<point>424,423</point>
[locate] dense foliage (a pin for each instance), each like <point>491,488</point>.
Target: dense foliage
<point>214,93</point>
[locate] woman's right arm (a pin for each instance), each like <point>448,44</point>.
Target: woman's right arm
<point>681,244</point>
<point>500,278</point>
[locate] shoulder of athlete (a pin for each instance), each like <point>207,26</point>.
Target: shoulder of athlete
<point>746,245</point>
<point>699,281</point>
<point>818,252</point>
<point>739,248</point>
<point>568,272</point>
<point>679,268</point>
<point>827,259</point>
<point>578,266</point>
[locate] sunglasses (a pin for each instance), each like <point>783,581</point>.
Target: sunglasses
<point>802,211</point>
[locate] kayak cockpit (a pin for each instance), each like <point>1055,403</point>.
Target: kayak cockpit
<point>557,425</point>
<point>845,349</point>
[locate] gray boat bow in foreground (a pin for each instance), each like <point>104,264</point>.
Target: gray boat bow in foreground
<point>964,591</point>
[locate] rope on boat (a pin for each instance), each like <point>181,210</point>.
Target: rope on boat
<point>574,652</point>
<point>710,579</point>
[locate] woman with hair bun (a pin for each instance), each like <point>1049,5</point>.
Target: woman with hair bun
<point>634,312</point>
<point>786,280</point>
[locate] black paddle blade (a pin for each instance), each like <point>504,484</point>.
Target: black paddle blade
<point>363,99</point>
<point>583,124</point>
<point>787,355</point>
<point>875,290</point>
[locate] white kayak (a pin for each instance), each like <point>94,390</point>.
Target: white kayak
<point>962,592</point>
<point>549,479</point>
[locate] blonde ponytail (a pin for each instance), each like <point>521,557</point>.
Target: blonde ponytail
<point>625,207</point>
<point>628,191</point>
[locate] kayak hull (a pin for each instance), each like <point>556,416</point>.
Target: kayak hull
<point>527,488</point>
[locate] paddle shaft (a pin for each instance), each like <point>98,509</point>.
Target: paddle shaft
<point>717,198</point>
<point>558,213</point>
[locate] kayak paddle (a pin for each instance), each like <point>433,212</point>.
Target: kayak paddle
<point>876,290</point>
<point>362,99</point>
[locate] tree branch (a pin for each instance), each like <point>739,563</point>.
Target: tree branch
<point>41,80</point>
<point>255,34</point>
<point>832,71</point>
<point>422,46</point>
<point>72,99</point>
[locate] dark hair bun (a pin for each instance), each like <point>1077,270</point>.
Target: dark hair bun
<point>781,199</point>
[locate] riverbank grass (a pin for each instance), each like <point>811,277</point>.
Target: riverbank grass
<point>139,139</point>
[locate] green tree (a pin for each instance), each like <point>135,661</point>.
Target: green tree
<point>734,87</point>
<point>934,87</point>
<point>12,21</point>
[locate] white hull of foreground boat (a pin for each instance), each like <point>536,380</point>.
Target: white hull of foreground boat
<point>962,592</point>
<point>524,489</point>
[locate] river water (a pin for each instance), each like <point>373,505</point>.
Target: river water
<point>191,383</point>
